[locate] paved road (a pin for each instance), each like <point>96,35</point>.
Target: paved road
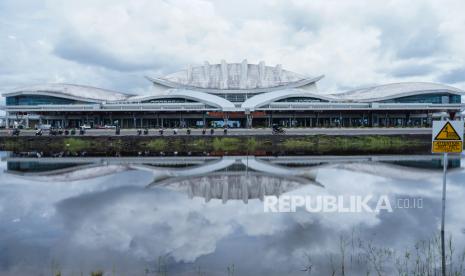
<point>259,131</point>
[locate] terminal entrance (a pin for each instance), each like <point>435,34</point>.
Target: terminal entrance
<point>256,119</point>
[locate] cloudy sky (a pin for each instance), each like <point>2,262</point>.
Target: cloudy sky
<point>113,44</point>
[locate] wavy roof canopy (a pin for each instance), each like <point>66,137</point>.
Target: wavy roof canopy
<point>70,91</point>
<point>266,98</point>
<point>198,96</point>
<point>395,90</point>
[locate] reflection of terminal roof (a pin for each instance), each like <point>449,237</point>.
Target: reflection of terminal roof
<point>71,173</point>
<point>167,171</point>
<point>234,185</point>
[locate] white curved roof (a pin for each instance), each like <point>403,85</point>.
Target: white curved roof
<point>266,98</point>
<point>198,96</point>
<point>70,91</point>
<point>395,90</point>
<point>233,76</point>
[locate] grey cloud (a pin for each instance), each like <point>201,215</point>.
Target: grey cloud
<point>454,76</point>
<point>82,51</point>
<point>411,37</point>
<point>300,19</point>
<point>412,69</point>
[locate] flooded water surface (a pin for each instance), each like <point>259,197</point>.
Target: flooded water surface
<point>202,215</point>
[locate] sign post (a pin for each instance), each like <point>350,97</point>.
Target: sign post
<point>447,137</point>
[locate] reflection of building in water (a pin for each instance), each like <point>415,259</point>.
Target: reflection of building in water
<point>229,178</point>
<point>234,186</point>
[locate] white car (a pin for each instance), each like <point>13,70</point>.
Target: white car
<point>109,126</point>
<point>44,127</point>
<point>86,126</point>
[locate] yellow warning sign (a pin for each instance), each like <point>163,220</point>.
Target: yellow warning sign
<point>447,136</point>
<point>448,133</point>
<point>447,146</point>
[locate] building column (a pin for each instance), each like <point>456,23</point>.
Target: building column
<point>7,120</point>
<point>249,120</point>
<point>225,119</point>
<point>27,121</point>
<point>271,118</point>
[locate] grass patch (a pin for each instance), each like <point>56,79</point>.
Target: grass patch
<point>157,145</point>
<point>297,143</point>
<point>251,144</point>
<point>226,144</point>
<point>199,144</point>
<point>75,145</point>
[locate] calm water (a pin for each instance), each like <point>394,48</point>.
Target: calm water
<point>205,216</point>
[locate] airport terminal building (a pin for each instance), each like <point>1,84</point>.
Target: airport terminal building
<point>232,94</point>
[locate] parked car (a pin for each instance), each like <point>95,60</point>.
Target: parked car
<point>44,127</point>
<point>86,127</point>
<point>109,126</point>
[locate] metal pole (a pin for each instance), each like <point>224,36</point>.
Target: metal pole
<point>443,247</point>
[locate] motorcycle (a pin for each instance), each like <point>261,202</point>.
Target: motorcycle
<point>15,132</point>
<point>278,130</point>
<point>146,131</point>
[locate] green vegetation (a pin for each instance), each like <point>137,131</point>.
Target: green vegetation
<point>199,144</point>
<point>251,144</point>
<point>227,144</point>
<point>75,144</point>
<point>157,145</point>
<point>299,143</point>
<point>314,144</point>
<point>358,254</point>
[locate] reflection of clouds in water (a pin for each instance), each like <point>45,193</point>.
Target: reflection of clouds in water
<point>117,217</point>
<point>155,222</point>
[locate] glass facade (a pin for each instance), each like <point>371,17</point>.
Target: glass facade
<point>237,97</point>
<point>301,100</point>
<point>437,98</point>
<point>170,100</point>
<point>38,100</point>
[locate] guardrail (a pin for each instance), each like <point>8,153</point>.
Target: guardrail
<point>203,107</point>
<point>69,107</point>
<point>357,106</point>
<point>111,107</point>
